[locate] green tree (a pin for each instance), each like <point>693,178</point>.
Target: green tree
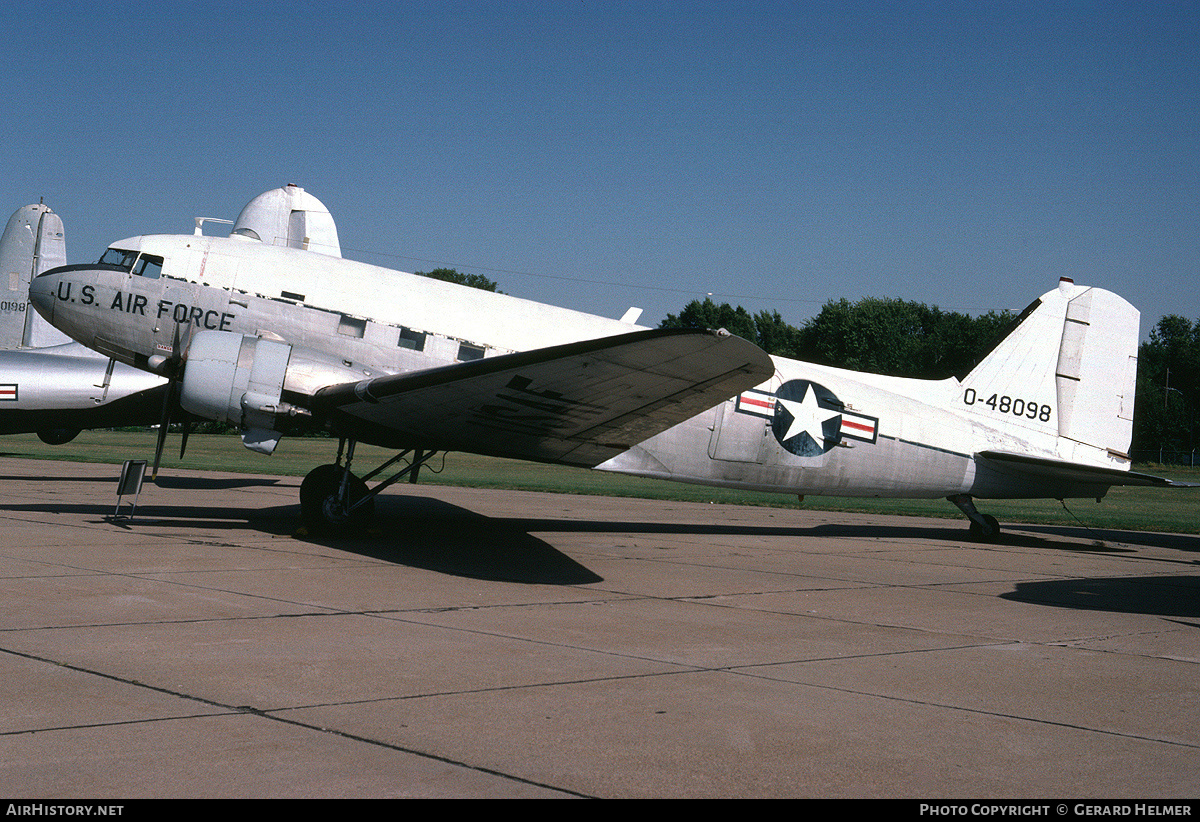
<point>898,337</point>
<point>766,329</point>
<point>1168,387</point>
<point>775,336</point>
<point>884,336</point>
<point>451,275</point>
<point>708,314</point>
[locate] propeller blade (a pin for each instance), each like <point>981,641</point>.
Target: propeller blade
<point>188,419</point>
<point>164,424</point>
<point>170,401</point>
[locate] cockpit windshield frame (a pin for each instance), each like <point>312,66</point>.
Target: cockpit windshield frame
<point>143,265</point>
<point>118,258</point>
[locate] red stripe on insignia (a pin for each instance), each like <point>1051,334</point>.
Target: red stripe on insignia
<point>848,424</point>
<point>760,403</point>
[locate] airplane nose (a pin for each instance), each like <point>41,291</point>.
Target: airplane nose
<point>41,294</point>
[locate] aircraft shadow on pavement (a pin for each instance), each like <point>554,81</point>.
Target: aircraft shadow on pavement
<point>429,533</point>
<point>440,536</point>
<point>413,531</point>
<point>185,483</point>
<point>1165,596</point>
<point>212,483</point>
<point>1099,538</point>
<point>27,478</point>
<point>1056,537</point>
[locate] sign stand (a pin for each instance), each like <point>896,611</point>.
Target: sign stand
<point>132,473</point>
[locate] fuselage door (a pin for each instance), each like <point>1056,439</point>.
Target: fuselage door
<point>741,423</point>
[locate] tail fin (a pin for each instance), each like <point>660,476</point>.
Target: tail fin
<point>1069,368</point>
<point>33,242</point>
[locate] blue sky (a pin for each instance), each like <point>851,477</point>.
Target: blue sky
<point>599,155</point>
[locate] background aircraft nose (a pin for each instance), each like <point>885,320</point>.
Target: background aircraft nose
<point>41,294</point>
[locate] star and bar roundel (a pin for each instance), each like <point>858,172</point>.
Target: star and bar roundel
<point>807,418</point>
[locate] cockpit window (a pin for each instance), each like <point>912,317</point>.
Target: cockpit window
<point>119,258</point>
<point>148,265</point>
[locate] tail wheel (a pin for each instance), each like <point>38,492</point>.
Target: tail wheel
<point>321,505</point>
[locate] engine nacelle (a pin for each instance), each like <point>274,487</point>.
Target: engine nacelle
<point>238,379</point>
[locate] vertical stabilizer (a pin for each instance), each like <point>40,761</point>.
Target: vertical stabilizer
<point>33,242</point>
<point>1068,369</point>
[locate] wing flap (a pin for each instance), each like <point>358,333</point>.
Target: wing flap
<point>580,403</point>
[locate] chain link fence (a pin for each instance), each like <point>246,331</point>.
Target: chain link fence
<point>1165,456</point>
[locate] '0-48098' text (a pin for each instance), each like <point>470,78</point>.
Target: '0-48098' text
<point>1008,405</point>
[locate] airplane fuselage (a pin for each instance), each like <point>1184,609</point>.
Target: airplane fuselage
<point>810,430</point>
<point>386,321</point>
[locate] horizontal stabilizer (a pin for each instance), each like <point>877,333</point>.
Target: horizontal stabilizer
<point>580,403</point>
<point>1070,472</point>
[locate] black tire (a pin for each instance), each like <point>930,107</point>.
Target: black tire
<point>990,532</point>
<point>320,507</point>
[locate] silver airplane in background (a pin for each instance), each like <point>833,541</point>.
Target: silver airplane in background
<point>50,384</point>
<point>279,340</point>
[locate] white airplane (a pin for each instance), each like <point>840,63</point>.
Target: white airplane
<point>279,340</point>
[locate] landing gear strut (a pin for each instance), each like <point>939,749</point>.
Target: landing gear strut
<point>984,527</point>
<point>332,499</point>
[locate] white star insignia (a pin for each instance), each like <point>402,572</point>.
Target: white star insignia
<point>807,416</point>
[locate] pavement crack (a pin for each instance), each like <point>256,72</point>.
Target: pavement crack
<point>270,715</point>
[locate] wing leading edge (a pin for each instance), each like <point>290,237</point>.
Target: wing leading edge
<point>580,403</point>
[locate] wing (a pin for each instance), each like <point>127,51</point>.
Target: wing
<point>580,403</point>
<point>1060,471</point>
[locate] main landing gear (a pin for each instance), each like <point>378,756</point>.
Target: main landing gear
<point>333,500</point>
<point>984,527</point>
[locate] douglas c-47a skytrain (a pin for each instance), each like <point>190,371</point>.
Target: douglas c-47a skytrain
<point>281,340</point>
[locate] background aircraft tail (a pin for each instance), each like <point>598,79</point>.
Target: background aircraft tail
<point>33,242</point>
<point>1068,368</point>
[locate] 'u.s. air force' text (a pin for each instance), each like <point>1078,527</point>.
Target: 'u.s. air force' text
<point>137,304</point>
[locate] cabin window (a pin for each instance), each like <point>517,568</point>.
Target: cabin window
<point>412,339</point>
<point>352,326</point>
<point>466,352</point>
